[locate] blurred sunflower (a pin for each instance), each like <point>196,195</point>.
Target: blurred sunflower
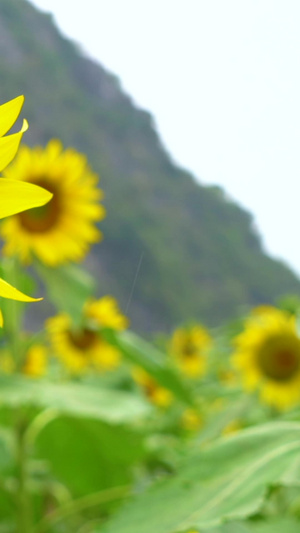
<point>153,391</point>
<point>105,313</point>
<point>15,197</point>
<point>268,356</point>
<point>36,361</point>
<point>191,420</point>
<point>85,347</point>
<point>64,229</point>
<point>189,348</point>
<point>34,364</point>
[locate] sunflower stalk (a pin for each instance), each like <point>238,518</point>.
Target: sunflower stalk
<point>80,505</point>
<point>37,425</point>
<point>24,515</point>
<point>12,324</point>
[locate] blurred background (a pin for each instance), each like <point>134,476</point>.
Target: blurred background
<point>189,111</point>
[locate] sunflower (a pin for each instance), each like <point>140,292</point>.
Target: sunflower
<point>64,229</point>
<point>189,348</point>
<point>15,197</point>
<point>105,313</point>
<point>153,391</point>
<point>191,420</point>
<point>267,356</point>
<point>85,347</point>
<point>36,360</point>
<point>34,363</point>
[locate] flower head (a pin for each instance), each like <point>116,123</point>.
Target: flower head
<point>36,360</point>
<point>85,347</point>
<point>191,420</point>
<point>189,348</point>
<point>153,391</point>
<point>64,229</point>
<point>105,313</point>
<point>267,356</point>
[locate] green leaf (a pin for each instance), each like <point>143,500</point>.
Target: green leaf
<point>286,524</point>
<point>75,399</point>
<point>231,527</point>
<point>99,456</point>
<point>143,354</point>
<point>68,287</point>
<point>279,525</point>
<point>225,482</point>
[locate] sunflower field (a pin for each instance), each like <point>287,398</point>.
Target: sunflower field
<point>102,431</point>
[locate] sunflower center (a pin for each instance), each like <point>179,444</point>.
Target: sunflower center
<point>42,219</point>
<point>188,350</point>
<point>279,361</point>
<point>84,339</point>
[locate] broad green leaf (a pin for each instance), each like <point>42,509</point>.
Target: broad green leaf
<point>88,455</point>
<point>231,527</point>
<point>143,354</point>
<point>278,525</point>
<point>68,287</point>
<point>224,482</point>
<point>286,524</point>
<point>72,398</point>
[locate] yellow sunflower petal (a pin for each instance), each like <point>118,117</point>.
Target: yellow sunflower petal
<point>9,113</point>
<point>8,291</point>
<point>36,361</point>
<point>17,196</point>
<point>1,319</point>
<point>9,146</point>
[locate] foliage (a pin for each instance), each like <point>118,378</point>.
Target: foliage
<point>226,481</point>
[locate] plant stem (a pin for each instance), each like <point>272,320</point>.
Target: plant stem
<point>12,316</point>
<point>38,424</point>
<point>80,505</point>
<point>23,497</point>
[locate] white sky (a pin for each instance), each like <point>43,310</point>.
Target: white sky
<point>222,79</point>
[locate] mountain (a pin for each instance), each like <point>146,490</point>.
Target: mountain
<point>198,252</point>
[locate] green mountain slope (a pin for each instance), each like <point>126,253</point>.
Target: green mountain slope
<point>200,256</point>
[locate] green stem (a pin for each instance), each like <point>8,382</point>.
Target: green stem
<point>38,424</point>
<point>23,497</point>
<point>80,505</point>
<point>12,325</point>
<point>89,526</point>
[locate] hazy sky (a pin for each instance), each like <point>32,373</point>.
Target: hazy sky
<point>222,80</point>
